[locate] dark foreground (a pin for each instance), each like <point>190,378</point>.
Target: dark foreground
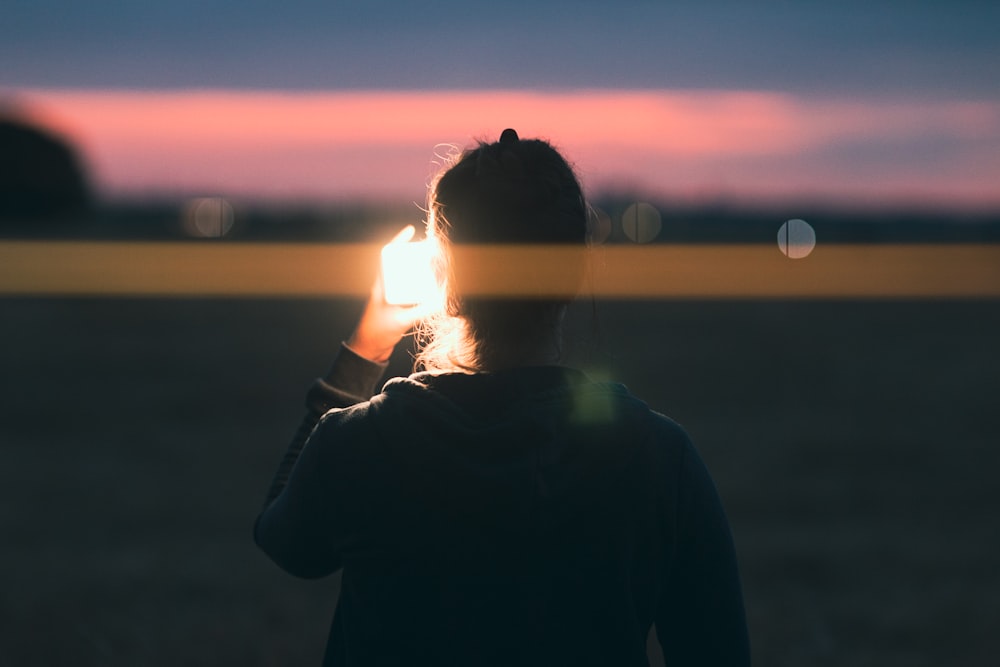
<point>855,445</point>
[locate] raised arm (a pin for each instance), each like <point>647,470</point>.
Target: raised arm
<point>352,379</point>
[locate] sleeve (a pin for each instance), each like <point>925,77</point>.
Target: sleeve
<point>700,618</point>
<point>350,380</point>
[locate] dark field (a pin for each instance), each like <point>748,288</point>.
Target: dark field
<point>854,443</point>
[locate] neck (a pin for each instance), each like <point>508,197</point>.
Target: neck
<point>544,353</point>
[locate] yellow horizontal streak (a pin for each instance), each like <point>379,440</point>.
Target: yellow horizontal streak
<point>112,269</point>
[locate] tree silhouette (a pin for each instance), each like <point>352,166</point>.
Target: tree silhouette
<point>41,176</point>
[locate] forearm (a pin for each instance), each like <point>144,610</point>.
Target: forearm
<point>350,380</point>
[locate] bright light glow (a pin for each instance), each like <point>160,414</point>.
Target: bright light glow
<point>408,276</point>
<point>632,271</point>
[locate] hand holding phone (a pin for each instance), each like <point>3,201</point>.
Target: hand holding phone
<point>406,291</point>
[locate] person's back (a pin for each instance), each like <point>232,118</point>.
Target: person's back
<point>518,515</point>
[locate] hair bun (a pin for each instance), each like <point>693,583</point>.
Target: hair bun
<point>508,137</point>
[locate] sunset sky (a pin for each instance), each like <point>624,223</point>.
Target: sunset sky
<point>863,103</point>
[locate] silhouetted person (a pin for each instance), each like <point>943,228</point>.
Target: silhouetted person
<point>497,508</point>
<point>41,176</point>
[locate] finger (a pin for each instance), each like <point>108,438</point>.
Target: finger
<point>403,235</point>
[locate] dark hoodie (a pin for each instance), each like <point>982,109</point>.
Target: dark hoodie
<point>525,517</point>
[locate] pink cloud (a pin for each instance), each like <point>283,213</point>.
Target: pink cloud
<point>383,144</point>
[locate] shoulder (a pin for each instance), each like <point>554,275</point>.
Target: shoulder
<point>661,442</point>
<point>660,430</point>
<point>341,431</point>
<point>611,412</point>
<point>351,416</point>
<point>668,432</point>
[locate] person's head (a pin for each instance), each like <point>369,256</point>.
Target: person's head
<point>514,193</point>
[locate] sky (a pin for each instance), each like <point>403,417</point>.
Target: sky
<point>863,102</point>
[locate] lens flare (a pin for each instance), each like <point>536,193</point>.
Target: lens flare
<point>617,271</point>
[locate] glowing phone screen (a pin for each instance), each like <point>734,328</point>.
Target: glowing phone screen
<point>407,273</point>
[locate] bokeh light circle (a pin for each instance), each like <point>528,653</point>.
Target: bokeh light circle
<point>641,222</point>
<point>208,217</point>
<point>796,238</point>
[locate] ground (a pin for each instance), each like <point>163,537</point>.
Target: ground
<point>854,444</point>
